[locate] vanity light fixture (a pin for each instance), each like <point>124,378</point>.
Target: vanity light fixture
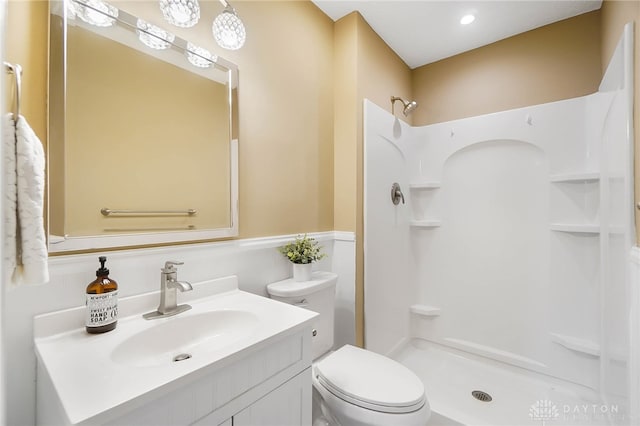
<point>181,13</point>
<point>199,56</point>
<point>467,19</point>
<point>228,29</point>
<point>152,36</point>
<point>96,12</point>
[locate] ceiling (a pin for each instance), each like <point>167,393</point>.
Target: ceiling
<point>425,31</point>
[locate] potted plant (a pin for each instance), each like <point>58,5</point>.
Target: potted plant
<point>302,252</point>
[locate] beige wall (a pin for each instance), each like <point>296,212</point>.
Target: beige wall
<point>26,44</point>
<point>286,118</point>
<point>285,97</point>
<point>365,67</point>
<point>345,92</point>
<point>615,14</point>
<point>558,61</point>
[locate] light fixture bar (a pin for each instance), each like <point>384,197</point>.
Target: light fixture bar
<point>128,22</point>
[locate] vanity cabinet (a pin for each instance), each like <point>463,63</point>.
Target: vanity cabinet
<point>289,404</point>
<point>271,386</point>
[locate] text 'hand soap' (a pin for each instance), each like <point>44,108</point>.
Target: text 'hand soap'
<point>102,302</point>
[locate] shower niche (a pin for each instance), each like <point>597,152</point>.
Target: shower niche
<point>424,198</point>
<point>575,200</point>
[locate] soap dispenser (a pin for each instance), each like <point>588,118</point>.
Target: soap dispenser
<point>102,302</point>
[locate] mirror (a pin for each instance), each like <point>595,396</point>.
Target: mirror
<point>142,143</point>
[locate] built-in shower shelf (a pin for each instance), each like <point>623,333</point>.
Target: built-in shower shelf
<point>575,177</point>
<point>424,185</point>
<point>576,344</point>
<point>425,311</point>
<point>425,223</point>
<point>575,228</point>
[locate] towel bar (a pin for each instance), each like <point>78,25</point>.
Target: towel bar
<point>158,229</point>
<point>109,212</point>
<point>16,70</point>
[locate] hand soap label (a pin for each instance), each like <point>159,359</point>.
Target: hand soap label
<point>102,309</point>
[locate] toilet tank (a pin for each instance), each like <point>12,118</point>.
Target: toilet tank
<point>317,295</point>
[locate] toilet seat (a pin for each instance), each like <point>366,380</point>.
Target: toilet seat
<point>370,381</point>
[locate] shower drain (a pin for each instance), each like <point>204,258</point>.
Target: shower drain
<point>481,396</point>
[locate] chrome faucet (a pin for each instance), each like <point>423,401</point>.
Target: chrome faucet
<point>168,295</point>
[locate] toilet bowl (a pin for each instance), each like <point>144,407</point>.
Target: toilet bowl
<point>352,386</point>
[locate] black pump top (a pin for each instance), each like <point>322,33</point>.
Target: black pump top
<point>102,271</point>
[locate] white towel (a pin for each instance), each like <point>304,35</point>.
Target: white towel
<point>25,225</point>
<point>11,194</point>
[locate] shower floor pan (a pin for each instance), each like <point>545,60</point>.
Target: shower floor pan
<point>516,396</point>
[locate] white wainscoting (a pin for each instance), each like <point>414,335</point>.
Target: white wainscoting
<point>255,261</point>
<point>344,264</point>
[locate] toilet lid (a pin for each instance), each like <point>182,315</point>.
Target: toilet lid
<point>370,381</point>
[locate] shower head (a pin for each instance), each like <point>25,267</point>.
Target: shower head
<point>409,107</point>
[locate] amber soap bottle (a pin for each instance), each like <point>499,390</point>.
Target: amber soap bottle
<point>102,302</point>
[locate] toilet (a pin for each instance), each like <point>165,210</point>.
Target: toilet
<point>352,386</point>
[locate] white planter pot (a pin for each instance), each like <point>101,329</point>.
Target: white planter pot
<point>301,271</point>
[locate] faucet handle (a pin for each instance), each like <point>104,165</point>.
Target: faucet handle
<point>169,266</point>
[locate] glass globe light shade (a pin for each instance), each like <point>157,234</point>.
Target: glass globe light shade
<point>181,13</point>
<point>199,56</point>
<point>154,37</point>
<point>228,30</point>
<point>96,12</point>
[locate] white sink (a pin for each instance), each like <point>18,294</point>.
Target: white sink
<point>187,336</point>
<point>134,362</point>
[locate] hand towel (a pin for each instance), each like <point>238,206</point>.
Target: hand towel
<point>30,167</point>
<point>10,211</point>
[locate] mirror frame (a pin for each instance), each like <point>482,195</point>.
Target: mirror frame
<point>62,244</point>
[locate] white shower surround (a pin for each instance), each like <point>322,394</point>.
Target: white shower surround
<point>515,240</point>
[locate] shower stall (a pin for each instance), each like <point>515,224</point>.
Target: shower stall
<point>501,277</point>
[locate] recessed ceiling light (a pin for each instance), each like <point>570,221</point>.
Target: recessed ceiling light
<point>467,19</point>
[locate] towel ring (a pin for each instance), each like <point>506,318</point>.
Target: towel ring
<point>16,70</point>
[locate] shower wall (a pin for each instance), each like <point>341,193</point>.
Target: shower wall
<point>488,238</point>
<point>514,264</point>
<point>617,229</point>
<point>386,232</point>
<point>515,237</point>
